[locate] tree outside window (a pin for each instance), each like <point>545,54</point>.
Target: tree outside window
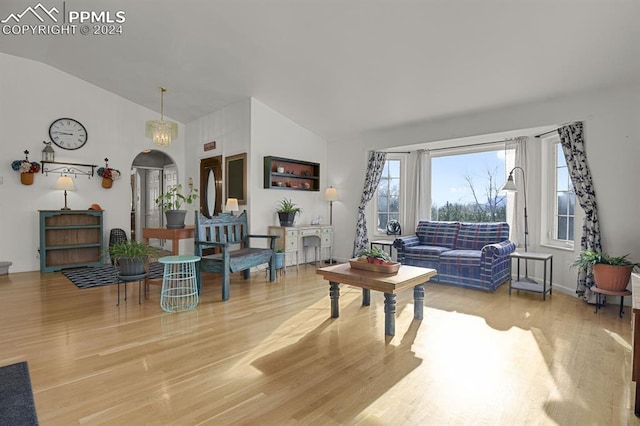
<point>466,187</point>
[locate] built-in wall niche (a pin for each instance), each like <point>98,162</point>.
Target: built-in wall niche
<point>285,173</point>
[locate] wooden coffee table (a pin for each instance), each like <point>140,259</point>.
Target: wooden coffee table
<point>407,277</point>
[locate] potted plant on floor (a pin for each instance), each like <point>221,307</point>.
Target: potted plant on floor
<point>287,211</point>
<point>171,202</point>
<point>131,256</point>
<point>279,261</point>
<point>609,272</point>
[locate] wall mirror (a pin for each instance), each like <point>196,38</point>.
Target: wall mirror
<point>236,177</point>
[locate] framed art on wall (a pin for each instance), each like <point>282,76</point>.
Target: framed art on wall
<point>236,177</point>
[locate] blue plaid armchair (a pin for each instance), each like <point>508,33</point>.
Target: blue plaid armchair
<point>474,255</point>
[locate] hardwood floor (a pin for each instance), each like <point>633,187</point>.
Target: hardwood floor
<point>272,355</point>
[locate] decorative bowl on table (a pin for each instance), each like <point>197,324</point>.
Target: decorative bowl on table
<point>382,268</point>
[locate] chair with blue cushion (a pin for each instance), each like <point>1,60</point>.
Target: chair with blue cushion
<point>230,236</point>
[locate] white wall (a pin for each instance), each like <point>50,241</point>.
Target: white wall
<point>230,128</point>
<point>252,127</point>
<point>276,135</point>
<point>32,96</point>
<point>612,137</point>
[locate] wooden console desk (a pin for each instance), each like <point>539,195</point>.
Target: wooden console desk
<point>175,235</point>
<point>635,339</point>
<point>292,238</point>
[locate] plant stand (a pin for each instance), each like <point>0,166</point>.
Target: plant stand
<point>131,278</point>
<point>600,291</point>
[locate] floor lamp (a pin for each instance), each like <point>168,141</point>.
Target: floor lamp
<point>330,195</point>
<point>510,186</point>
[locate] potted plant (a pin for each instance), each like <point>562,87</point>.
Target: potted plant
<point>287,211</point>
<point>279,260</point>
<point>131,256</point>
<point>375,260</point>
<point>376,256</point>
<point>108,174</point>
<point>609,272</point>
<point>26,168</point>
<point>171,201</point>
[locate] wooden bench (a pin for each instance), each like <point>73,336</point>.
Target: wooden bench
<point>229,235</point>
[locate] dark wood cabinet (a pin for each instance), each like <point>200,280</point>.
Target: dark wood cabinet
<point>285,173</point>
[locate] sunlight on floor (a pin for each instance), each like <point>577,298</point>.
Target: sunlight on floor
<point>304,325</point>
<point>469,366</point>
<point>618,339</point>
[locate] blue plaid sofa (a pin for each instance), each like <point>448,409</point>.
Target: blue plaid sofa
<point>474,255</point>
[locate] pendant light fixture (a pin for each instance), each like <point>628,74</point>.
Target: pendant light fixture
<point>160,131</point>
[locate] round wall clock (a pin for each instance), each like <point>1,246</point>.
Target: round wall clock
<point>68,133</point>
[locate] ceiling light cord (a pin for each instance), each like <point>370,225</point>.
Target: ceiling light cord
<point>162,90</point>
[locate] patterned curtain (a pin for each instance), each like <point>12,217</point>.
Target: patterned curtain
<point>571,138</point>
<point>371,181</point>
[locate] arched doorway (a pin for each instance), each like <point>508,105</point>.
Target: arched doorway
<point>152,171</point>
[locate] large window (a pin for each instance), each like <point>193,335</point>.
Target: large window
<point>465,186</point>
<point>388,200</point>
<point>561,200</point>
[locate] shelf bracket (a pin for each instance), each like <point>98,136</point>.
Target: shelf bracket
<point>75,169</point>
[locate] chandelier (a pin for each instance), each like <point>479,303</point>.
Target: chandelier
<point>160,131</point>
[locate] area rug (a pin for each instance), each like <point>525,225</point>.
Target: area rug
<point>104,275</point>
<point>16,397</point>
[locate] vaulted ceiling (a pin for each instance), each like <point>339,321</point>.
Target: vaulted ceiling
<point>340,68</point>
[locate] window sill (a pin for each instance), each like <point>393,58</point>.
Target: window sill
<point>558,247</point>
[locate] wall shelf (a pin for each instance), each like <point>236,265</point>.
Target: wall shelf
<point>294,174</point>
<point>63,168</point>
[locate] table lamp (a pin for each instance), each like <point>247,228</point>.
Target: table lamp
<point>232,205</point>
<point>65,183</point>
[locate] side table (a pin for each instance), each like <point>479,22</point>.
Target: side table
<point>179,285</point>
<point>527,284</point>
<point>383,244</point>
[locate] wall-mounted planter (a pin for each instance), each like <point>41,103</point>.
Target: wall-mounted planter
<point>26,178</point>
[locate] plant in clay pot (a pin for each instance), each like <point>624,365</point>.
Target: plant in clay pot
<point>375,256</point>
<point>26,168</point>
<point>609,272</point>
<point>108,174</point>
